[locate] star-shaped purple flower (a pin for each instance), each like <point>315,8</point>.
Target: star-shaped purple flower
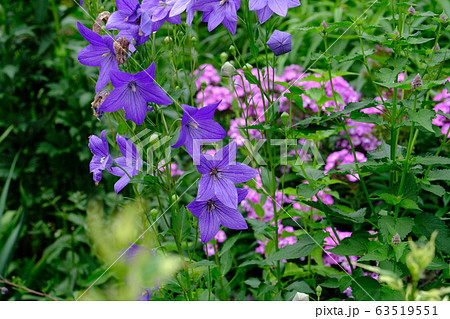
<point>100,53</point>
<point>198,125</point>
<point>102,158</point>
<point>128,165</point>
<point>219,173</point>
<point>132,20</point>
<point>132,92</point>
<point>160,12</point>
<point>265,8</point>
<point>212,213</point>
<point>184,5</point>
<point>280,42</point>
<point>217,12</point>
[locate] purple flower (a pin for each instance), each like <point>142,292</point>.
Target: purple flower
<point>183,5</point>
<point>102,158</point>
<point>280,42</point>
<point>197,124</point>
<point>219,173</point>
<point>265,8</point>
<point>100,53</point>
<point>216,12</point>
<point>160,12</point>
<point>212,213</point>
<point>133,20</point>
<point>128,165</point>
<point>132,92</point>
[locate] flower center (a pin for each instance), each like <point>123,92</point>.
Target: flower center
<point>194,125</point>
<point>222,2</point>
<point>102,159</point>
<point>106,54</point>
<point>132,86</point>
<point>211,205</point>
<point>216,173</point>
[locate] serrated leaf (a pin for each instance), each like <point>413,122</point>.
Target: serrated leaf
<point>308,191</point>
<point>439,175</point>
<point>312,174</point>
<point>351,246</point>
<point>423,118</point>
<point>203,263</point>
<point>437,190</point>
<point>426,224</point>
<point>390,227</point>
<point>375,251</point>
<point>302,248</point>
<point>432,160</point>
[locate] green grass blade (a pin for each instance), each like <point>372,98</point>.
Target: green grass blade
<point>8,248</point>
<point>5,190</point>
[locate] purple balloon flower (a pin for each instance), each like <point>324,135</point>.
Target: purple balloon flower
<point>132,19</point>
<point>102,158</point>
<point>280,42</point>
<point>265,8</point>
<point>219,173</point>
<point>212,213</point>
<point>160,12</point>
<point>128,165</point>
<point>198,124</point>
<point>100,53</point>
<point>132,92</point>
<point>217,12</point>
<point>183,5</point>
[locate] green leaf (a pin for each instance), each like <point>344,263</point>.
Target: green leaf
<point>351,246</point>
<point>390,199</point>
<point>312,174</point>
<point>439,175</point>
<point>423,118</point>
<point>308,191</point>
<point>7,249</point>
<point>437,190</point>
<point>366,288</point>
<point>228,244</point>
<point>375,251</point>
<point>426,224</point>
<point>409,204</point>
<point>302,248</point>
<point>253,282</point>
<point>203,263</point>
<point>300,286</point>
<point>432,160</point>
<point>389,227</point>
<point>5,189</point>
<point>382,151</point>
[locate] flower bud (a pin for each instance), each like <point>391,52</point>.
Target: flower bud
<point>204,85</point>
<point>437,47</point>
<point>417,82</point>
<point>168,40</point>
<point>223,57</point>
<point>411,10</point>
<point>396,239</point>
<point>233,50</point>
<point>175,197</point>
<point>285,118</point>
<point>228,70</point>
<point>4,290</point>
<point>194,39</point>
<point>154,212</point>
<point>324,25</point>
<point>318,291</point>
<point>247,67</point>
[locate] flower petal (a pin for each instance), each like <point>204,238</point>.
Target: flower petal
<point>115,100</point>
<point>226,192</point>
<point>279,7</point>
<point>181,138</point>
<point>226,155</point>
<point>151,92</point>
<point>207,112</point>
<point>230,217</point>
<point>239,173</point>
<point>197,208</point>
<point>205,188</point>
<point>242,193</point>
<point>209,226</point>
<point>121,183</point>
<point>90,35</point>
<point>93,55</point>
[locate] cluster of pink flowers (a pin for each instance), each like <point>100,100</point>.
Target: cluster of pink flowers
<point>211,92</point>
<point>283,240</point>
<point>444,106</point>
<point>344,157</point>
<point>210,248</point>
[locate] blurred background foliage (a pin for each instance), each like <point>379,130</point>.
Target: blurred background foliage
<point>46,120</point>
